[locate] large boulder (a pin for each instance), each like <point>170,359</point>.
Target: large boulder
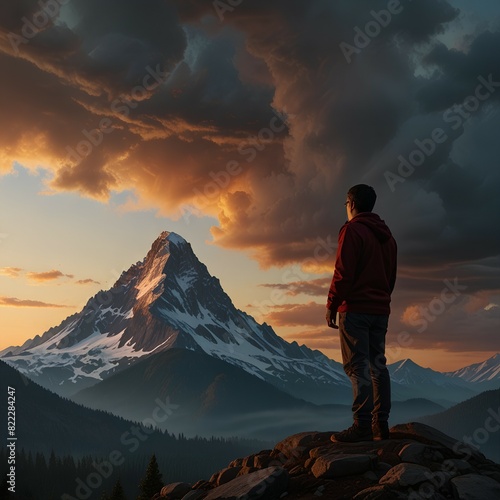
<point>270,482</point>
<point>339,465</point>
<point>406,474</point>
<point>427,434</point>
<point>298,444</point>
<point>175,490</point>
<point>475,487</point>
<point>419,453</point>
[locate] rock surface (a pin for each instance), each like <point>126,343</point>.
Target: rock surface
<point>406,474</point>
<point>175,490</point>
<point>339,465</point>
<point>271,482</point>
<point>417,462</point>
<point>475,486</point>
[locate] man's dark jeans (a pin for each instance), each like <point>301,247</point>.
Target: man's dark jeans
<point>362,341</point>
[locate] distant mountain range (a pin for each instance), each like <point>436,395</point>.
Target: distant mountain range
<point>167,327</point>
<point>214,397</point>
<point>407,376</point>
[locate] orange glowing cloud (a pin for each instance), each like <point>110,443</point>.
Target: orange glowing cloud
<point>410,315</point>
<point>478,301</point>
<point>312,314</point>
<point>321,338</point>
<point>12,272</point>
<point>14,302</point>
<point>47,276</point>
<point>87,281</point>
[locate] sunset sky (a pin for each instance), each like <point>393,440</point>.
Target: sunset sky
<point>241,125</point>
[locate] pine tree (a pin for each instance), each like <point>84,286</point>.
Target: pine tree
<point>152,482</point>
<point>118,493</point>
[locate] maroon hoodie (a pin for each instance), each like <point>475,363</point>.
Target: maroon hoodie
<point>365,267</point>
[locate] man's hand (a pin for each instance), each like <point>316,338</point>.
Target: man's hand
<point>329,320</point>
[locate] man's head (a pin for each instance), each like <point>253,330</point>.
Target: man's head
<point>360,198</point>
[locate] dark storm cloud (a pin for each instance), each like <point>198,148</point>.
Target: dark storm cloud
<point>458,71</point>
<point>342,115</point>
<point>107,46</point>
<point>205,135</point>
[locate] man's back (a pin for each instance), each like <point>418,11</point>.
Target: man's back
<point>365,267</point>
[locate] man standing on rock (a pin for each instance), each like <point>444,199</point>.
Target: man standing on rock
<point>363,280</point>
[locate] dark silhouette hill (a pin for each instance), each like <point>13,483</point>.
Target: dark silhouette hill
<point>477,421</point>
<point>47,422</point>
<point>206,391</point>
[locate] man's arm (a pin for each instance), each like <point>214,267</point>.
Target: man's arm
<point>348,253</point>
<point>330,319</point>
<point>392,282</point>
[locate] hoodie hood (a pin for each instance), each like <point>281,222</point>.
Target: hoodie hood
<point>375,223</point>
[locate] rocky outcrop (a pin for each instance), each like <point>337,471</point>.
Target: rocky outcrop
<point>417,462</point>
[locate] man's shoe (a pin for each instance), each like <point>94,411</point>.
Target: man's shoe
<point>355,434</point>
<point>380,431</point>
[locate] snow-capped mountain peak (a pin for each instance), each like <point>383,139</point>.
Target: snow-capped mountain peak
<point>167,300</point>
<point>407,371</point>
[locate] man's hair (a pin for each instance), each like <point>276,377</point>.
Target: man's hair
<point>363,196</point>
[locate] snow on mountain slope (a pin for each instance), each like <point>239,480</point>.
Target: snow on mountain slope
<point>428,383</point>
<point>170,300</point>
<point>407,372</point>
<point>486,371</point>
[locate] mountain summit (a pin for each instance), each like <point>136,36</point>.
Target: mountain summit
<point>170,300</point>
